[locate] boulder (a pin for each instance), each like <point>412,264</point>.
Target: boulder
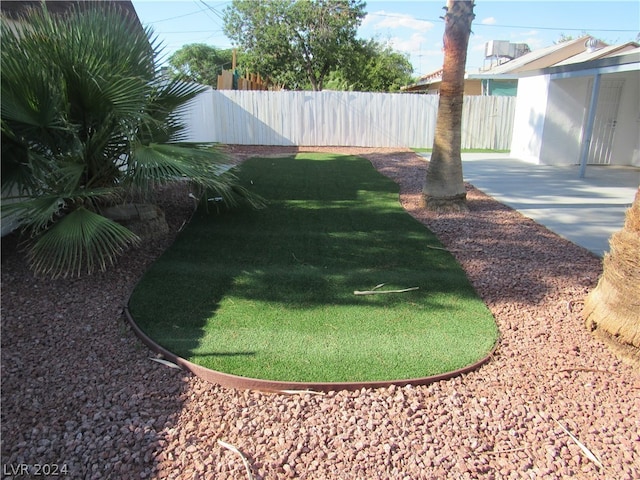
<point>144,219</point>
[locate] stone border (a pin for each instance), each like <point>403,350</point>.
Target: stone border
<point>235,381</point>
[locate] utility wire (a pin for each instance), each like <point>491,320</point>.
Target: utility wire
<point>476,25</point>
<point>559,28</point>
<point>390,15</point>
<point>218,14</point>
<point>204,8</point>
<point>173,18</point>
<point>192,31</point>
<point>200,10</point>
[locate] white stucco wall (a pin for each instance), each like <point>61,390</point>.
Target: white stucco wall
<point>550,118</point>
<point>564,120</point>
<point>529,118</point>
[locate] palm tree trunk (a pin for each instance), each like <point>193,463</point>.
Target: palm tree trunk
<point>444,187</point>
<point>612,309</point>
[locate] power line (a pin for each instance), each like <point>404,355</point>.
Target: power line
<point>475,25</point>
<point>192,31</point>
<point>558,28</point>
<point>204,8</point>
<point>391,15</point>
<point>218,14</point>
<point>177,16</point>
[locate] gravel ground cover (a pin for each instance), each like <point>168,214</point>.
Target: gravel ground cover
<point>81,395</point>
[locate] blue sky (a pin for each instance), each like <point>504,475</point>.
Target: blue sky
<point>414,27</point>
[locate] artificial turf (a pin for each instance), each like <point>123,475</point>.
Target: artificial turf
<point>269,293</point>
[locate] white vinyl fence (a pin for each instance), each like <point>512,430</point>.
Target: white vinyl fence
<point>330,118</point>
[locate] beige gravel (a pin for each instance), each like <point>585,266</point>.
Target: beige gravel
<point>81,395</point>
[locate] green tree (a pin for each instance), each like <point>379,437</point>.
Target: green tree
<point>444,187</point>
<point>294,43</point>
<point>371,67</point>
<point>200,63</point>
<point>86,124</point>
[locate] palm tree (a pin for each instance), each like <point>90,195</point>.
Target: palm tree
<point>444,187</point>
<point>87,123</point>
<point>612,309</point>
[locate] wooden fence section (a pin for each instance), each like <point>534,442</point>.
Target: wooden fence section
<point>225,80</point>
<point>230,80</point>
<point>330,118</point>
<point>250,81</point>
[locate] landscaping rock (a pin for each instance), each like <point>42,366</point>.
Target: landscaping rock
<point>79,390</point>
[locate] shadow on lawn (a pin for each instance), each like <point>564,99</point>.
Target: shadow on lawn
<point>332,226</point>
<point>511,258</point>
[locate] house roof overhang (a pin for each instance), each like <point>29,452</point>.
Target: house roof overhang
<point>614,64</point>
<point>424,82</point>
<point>622,62</point>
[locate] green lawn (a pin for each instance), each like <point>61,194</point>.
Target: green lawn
<point>269,293</point>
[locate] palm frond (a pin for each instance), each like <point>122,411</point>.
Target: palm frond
<point>163,120</point>
<point>203,165</point>
<point>166,162</point>
<point>86,120</point>
<point>30,95</point>
<point>33,214</point>
<point>67,175</point>
<point>16,174</point>
<point>127,95</point>
<point>37,213</point>
<point>171,94</point>
<point>80,241</point>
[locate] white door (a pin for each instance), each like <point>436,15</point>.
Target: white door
<point>604,125</point>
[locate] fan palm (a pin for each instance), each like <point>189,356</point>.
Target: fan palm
<point>87,123</point>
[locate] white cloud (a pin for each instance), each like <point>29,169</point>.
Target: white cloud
<point>415,45</point>
<point>424,55</point>
<point>381,20</point>
<point>414,42</point>
<point>489,21</point>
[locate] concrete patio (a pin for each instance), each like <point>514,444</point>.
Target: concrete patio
<point>586,211</point>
